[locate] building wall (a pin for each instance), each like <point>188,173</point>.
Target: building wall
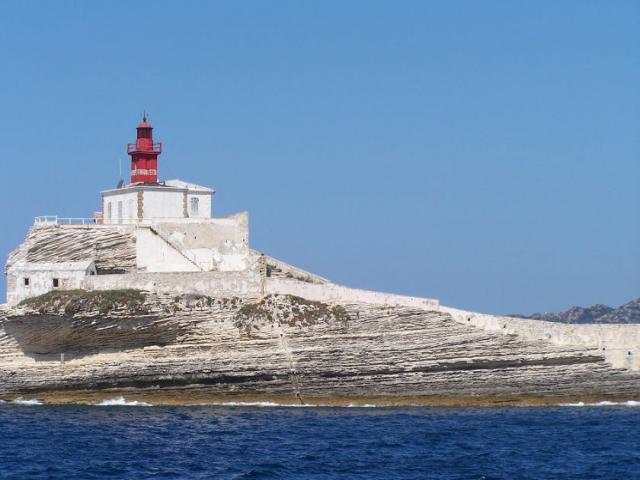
<point>215,284</point>
<point>155,254</point>
<point>163,204</point>
<point>204,205</point>
<point>41,281</point>
<point>155,203</point>
<point>221,244</point>
<point>11,287</point>
<point>129,201</point>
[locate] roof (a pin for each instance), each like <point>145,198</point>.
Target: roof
<point>144,123</point>
<point>189,186</point>
<point>169,184</point>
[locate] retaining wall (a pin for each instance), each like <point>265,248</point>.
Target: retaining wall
<point>215,284</point>
<point>338,294</point>
<point>619,343</point>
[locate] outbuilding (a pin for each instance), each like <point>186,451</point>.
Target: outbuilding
<point>35,278</point>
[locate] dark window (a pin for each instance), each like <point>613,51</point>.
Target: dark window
<point>56,282</point>
<point>26,282</point>
<point>194,206</point>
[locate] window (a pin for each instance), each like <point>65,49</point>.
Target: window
<point>194,206</point>
<point>109,211</point>
<point>56,283</point>
<point>119,212</point>
<point>26,282</point>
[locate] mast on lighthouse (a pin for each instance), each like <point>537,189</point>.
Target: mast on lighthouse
<point>144,155</point>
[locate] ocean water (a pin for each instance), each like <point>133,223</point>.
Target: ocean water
<point>125,440</point>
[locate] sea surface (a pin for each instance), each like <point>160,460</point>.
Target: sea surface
<point>128,440</point>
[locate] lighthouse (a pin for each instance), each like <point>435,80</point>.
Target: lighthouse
<point>147,199</point>
<point>146,231</point>
<point>144,155</point>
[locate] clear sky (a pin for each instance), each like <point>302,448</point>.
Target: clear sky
<point>483,153</point>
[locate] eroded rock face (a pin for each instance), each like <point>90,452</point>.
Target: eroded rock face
<point>113,248</point>
<point>285,345</point>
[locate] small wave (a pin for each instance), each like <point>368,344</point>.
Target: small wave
<point>22,401</point>
<point>121,401</point>
<point>604,403</point>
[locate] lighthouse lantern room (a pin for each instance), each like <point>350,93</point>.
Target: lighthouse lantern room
<point>144,155</point>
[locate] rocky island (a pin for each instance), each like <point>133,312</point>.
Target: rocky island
<point>155,299</point>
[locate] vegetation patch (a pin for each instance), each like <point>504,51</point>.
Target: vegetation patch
<point>289,310</point>
<point>75,301</point>
<point>275,271</point>
<point>300,278</point>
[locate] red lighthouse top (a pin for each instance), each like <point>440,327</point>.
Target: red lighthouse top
<point>144,155</point>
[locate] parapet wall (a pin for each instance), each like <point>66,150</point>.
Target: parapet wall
<point>619,343</point>
<point>215,284</point>
<point>338,294</point>
<point>285,270</point>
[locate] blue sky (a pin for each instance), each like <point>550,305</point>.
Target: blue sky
<point>482,153</point>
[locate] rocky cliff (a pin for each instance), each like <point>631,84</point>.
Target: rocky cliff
<point>80,346</point>
<point>603,314</point>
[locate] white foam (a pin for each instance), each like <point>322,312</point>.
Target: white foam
<point>22,401</point>
<point>364,405</point>
<point>121,401</point>
<point>604,403</point>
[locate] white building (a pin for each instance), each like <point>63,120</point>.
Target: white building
<point>170,200</point>
<point>31,279</point>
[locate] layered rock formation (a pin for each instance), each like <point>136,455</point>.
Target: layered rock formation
<point>113,247</point>
<point>196,348</point>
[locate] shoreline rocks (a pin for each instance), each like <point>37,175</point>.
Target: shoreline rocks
<point>285,347</point>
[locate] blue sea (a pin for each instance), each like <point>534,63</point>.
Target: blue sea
<point>132,441</point>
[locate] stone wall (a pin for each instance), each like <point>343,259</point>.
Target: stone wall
<point>620,344</point>
<point>220,244</point>
<point>338,294</point>
<point>214,284</point>
<point>279,269</point>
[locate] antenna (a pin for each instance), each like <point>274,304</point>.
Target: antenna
<point>120,179</point>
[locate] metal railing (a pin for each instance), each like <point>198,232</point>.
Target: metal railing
<point>44,220</point>
<point>153,148</point>
<point>55,220</point>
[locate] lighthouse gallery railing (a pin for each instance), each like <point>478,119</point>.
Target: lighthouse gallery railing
<point>153,148</point>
